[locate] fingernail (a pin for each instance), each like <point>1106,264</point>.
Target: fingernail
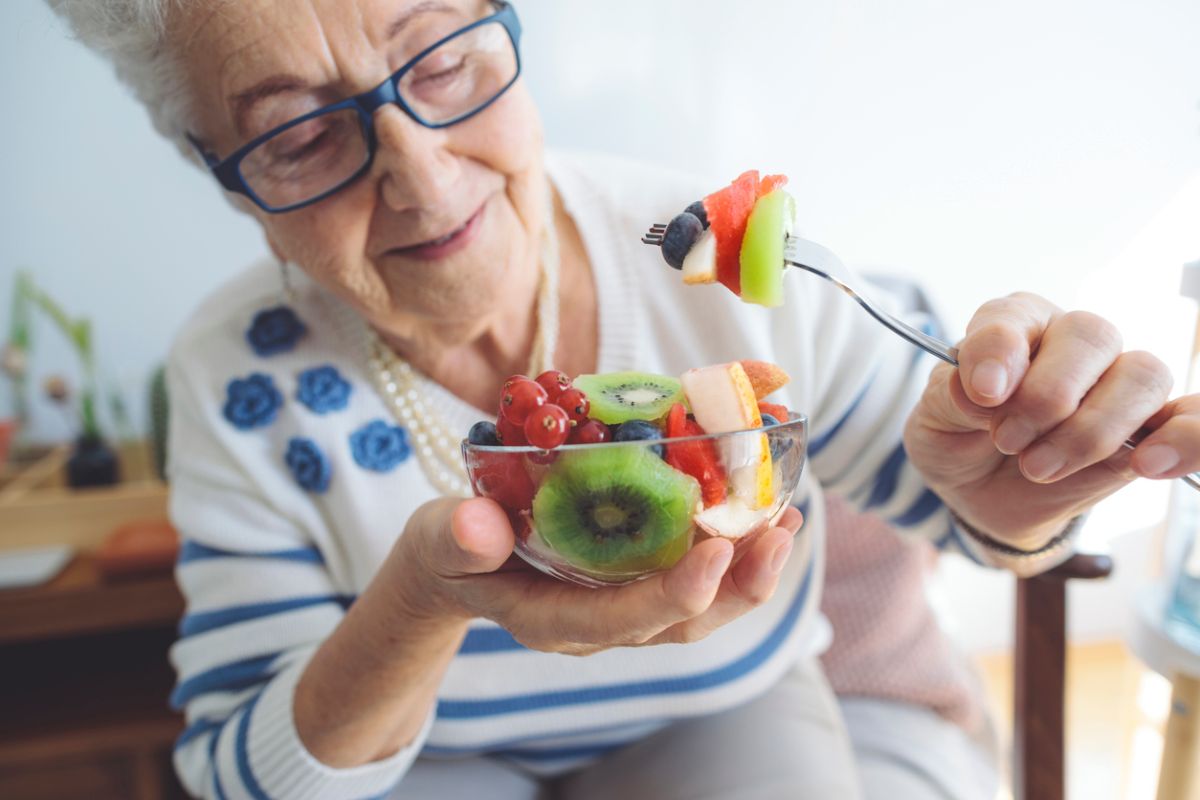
<point>780,557</point>
<point>989,378</point>
<point>718,564</point>
<point>1157,459</point>
<point>1043,462</point>
<point>1014,435</point>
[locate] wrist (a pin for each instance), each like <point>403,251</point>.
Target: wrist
<point>1026,556</point>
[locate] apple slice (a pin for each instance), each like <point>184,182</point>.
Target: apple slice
<point>700,263</point>
<point>722,400</point>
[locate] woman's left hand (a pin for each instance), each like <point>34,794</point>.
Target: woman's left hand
<point>1028,431</point>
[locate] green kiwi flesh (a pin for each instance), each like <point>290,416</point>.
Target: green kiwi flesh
<point>618,397</point>
<point>616,510</point>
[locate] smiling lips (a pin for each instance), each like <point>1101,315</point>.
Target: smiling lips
<point>447,245</point>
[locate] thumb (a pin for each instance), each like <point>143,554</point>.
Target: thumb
<point>478,539</point>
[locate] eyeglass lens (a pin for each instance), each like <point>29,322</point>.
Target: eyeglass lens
<point>309,159</point>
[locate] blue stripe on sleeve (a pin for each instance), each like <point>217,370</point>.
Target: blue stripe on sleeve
<point>243,753</point>
<point>818,443</point>
<point>191,551</point>
<point>954,537</point>
<point>196,730</point>
<point>225,678</point>
<point>926,506</point>
<point>561,753</point>
<point>472,709</point>
<point>488,640</point>
<point>212,760</point>
<point>204,621</point>
<point>886,478</point>
<point>966,550</point>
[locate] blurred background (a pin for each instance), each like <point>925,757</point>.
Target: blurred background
<point>1044,145</point>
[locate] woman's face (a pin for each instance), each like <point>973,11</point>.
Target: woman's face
<point>429,240</point>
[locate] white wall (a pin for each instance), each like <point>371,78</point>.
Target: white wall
<point>1050,145</point>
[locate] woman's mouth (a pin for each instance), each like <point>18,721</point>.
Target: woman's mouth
<point>447,244</point>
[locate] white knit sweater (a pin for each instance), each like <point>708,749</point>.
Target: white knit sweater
<point>268,567</point>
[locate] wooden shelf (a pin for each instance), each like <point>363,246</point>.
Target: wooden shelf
<point>86,687</point>
<point>80,601</point>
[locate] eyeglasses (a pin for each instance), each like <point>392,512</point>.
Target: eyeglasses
<point>313,156</point>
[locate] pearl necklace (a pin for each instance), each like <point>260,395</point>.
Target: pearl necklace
<point>407,391</point>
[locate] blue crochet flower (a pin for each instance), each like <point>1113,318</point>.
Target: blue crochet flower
<point>252,402</point>
<point>378,446</point>
<point>308,464</point>
<point>275,330</point>
<point>323,389</point>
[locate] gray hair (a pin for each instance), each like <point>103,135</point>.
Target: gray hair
<point>131,34</point>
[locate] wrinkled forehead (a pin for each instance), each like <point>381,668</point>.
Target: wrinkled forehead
<point>227,45</point>
<point>223,29</point>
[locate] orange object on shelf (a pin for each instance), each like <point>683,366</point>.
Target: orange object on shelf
<point>141,547</point>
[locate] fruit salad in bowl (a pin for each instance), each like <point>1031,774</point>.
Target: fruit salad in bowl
<point>610,478</point>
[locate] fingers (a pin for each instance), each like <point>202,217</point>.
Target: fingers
<point>462,537</point>
<point>1173,449</point>
<point>751,582</point>
<point>1131,390</point>
<point>995,353</point>
<point>546,614</point>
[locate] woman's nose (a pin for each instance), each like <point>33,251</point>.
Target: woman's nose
<point>415,168</point>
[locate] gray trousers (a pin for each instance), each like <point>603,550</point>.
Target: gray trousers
<point>795,742</point>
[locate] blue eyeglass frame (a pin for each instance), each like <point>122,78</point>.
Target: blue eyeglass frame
<point>228,170</point>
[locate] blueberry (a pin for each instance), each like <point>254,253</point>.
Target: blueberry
<point>696,209</point>
<point>779,446</point>
<point>483,433</point>
<point>638,430</point>
<point>680,236</point>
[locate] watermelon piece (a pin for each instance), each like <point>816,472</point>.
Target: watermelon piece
<point>777,411</point>
<point>728,210</point>
<point>698,459</point>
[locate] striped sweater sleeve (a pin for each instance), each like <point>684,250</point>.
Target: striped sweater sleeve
<point>260,599</point>
<point>861,381</point>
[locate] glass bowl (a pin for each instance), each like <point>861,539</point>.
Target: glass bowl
<point>616,512</point>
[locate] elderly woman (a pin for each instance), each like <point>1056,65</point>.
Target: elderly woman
<point>357,629</point>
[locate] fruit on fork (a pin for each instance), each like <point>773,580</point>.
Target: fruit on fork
<point>733,236</point>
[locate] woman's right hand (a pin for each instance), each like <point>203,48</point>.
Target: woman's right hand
<point>455,560</point>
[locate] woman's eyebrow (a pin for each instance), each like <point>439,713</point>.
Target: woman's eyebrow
<point>241,102</point>
<point>407,16</point>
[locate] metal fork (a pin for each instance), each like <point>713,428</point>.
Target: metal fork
<point>818,260</point>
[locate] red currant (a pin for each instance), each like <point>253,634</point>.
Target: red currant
<point>520,399</point>
<point>591,432</point>
<point>547,427</point>
<point>510,435</point>
<point>554,382</point>
<point>576,404</point>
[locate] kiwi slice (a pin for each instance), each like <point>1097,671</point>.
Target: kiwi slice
<point>762,248</point>
<point>616,510</point>
<point>618,397</point>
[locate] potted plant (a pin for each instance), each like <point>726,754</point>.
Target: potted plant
<point>93,462</point>
<point>13,363</point>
